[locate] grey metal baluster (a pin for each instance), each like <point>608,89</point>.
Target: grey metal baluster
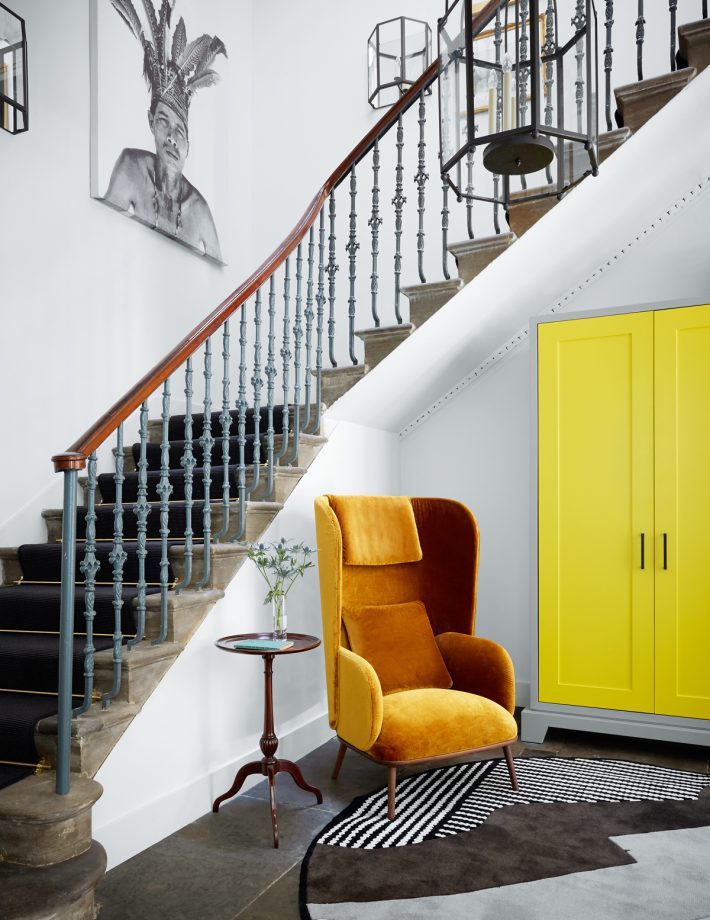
<point>187,462</point>
<point>608,61</point>
<point>320,312</point>
<point>549,47</point>
<point>270,372</point>
<point>308,313</point>
<point>241,407</point>
<point>66,633</point>
<point>257,383</point>
<point>89,567</point>
<point>705,9</point>
<point>332,269</point>
<point>285,352</point>
<point>469,200</point>
<point>117,558</point>
<point>292,456</point>
<point>375,222</point>
<point>673,9</point>
<point>497,42</point>
<point>578,22</point>
<point>225,420</point>
<point>524,71</point>
<point>206,445</point>
<point>420,179</point>
<point>351,249</point>
<point>398,201</point>
<point>445,227</point>
<point>164,490</point>
<point>141,511</point>
<point>640,35</point>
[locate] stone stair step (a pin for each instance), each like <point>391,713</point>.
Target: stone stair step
<point>93,737</point>
<point>226,560</point>
<point>426,299</point>
<point>694,44</point>
<point>258,517</point>
<point>524,213</point>
<point>142,669</point>
<point>336,381</point>
<point>526,210</point>
<point>472,256</point>
<point>10,565</point>
<point>381,341</point>
<point>185,613</point>
<point>39,827</point>
<point>637,102</point>
<point>61,892</point>
<point>308,447</point>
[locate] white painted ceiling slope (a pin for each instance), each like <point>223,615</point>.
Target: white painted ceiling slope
<point>637,233</point>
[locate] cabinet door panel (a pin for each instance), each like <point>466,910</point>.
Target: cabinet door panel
<point>682,398</point>
<point>595,421</point>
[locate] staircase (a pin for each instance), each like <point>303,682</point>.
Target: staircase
<point>152,561</point>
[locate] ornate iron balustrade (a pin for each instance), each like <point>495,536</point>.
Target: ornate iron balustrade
<point>232,449</point>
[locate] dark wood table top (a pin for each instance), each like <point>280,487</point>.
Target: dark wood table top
<point>301,643</point>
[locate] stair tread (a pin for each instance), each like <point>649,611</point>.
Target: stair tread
<point>28,662</point>
<point>19,713</point>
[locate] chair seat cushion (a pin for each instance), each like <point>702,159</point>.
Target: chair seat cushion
<point>418,724</point>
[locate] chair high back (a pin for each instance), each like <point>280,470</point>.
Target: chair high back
<point>444,579</point>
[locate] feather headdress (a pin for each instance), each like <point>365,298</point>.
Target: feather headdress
<point>173,70</point>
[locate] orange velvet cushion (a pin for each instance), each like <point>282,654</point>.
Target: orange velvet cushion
<point>398,641</point>
<point>377,529</point>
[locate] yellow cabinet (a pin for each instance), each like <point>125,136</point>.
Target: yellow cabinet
<point>624,512</point>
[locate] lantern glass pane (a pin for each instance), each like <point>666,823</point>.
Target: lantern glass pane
<point>417,49</point>
<point>452,82</point>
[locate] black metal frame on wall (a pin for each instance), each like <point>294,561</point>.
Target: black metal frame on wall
<point>14,115</point>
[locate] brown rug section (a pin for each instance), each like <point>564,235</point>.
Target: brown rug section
<point>520,844</point>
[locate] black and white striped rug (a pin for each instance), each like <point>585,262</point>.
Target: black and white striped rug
<point>581,839</point>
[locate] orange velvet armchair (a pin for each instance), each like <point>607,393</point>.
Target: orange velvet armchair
<point>408,682</point>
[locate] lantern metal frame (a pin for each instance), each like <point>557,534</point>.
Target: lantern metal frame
<point>403,83</point>
<point>536,135</point>
<point>20,121</point>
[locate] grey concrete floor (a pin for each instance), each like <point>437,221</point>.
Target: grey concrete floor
<point>224,866</point>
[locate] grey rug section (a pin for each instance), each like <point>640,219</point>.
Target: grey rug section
<point>670,880</point>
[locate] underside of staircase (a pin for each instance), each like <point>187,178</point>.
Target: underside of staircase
<point>50,835</point>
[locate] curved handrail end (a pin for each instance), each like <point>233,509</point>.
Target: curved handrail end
<point>69,461</point>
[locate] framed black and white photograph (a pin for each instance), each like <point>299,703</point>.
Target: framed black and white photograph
<point>158,120</point>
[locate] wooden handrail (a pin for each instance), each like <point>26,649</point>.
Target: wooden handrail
<point>75,457</point>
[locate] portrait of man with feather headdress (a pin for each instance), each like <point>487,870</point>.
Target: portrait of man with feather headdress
<point>151,186</point>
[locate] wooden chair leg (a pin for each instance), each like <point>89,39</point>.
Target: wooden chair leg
<point>339,760</point>
<point>511,767</point>
<point>391,791</point>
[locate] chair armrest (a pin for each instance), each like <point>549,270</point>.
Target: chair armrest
<point>359,701</point>
<point>479,666</point>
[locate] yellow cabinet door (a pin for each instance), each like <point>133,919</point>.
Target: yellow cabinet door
<point>595,481</point>
<point>682,398</point>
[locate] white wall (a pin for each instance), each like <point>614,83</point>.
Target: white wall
<point>205,718</point>
<point>90,300</point>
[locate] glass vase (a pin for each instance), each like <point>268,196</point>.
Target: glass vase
<point>278,614</point>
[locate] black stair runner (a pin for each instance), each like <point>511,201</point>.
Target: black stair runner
<point>29,610</point>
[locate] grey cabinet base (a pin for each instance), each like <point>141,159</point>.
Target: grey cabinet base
<point>535,723</point>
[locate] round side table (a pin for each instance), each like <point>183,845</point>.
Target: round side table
<point>269,765</point>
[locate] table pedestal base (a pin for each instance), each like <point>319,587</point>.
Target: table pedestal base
<point>269,765</point>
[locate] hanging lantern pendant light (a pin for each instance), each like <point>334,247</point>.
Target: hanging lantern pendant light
<point>508,58</point>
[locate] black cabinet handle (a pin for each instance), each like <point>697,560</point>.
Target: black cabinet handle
<point>643,550</point>
<point>665,550</point>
